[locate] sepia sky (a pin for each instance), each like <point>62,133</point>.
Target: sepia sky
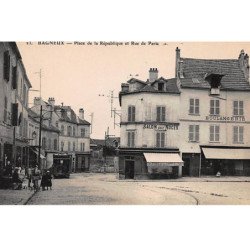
<point>77,74</point>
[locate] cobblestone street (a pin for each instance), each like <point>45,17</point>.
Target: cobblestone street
<point>105,189</point>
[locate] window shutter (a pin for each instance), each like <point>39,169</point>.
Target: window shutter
<point>235,132</point>
<point>157,139</point>
<point>197,106</point>
<point>163,140</point>
<point>197,133</point>
<point>6,66</point>
<point>158,111</point>
<point>129,143</point>
<point>163,114</point>
<point>191,133</point>
<point>133,113</point>
<point>133,139</point>
<point>217,133</point>
<point>191,106</point>
<point>211,107</point>
<point>217,111</point>
<point>211,133</point>
<point>14,77</point>
<point>241,108</point>
<point>235,107</point>
<point>129,113</point>
<point>241,131</point>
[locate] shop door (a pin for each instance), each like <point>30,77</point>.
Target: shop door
<point>186,167</point>
<point>129,169</point>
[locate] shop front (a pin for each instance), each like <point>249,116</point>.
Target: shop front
<point>82,162</point>
<point>149,163</point>
<point>228,161</point>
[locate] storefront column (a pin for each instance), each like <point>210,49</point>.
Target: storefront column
<point>180,171</point>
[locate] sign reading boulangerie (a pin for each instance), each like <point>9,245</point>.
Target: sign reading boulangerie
<point>161,127</point>
<point>225,118</point>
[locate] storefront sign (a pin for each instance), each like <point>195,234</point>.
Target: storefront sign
<point>225,118</point>
<point>161,127</point>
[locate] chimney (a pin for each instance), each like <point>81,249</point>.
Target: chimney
<point>244,64</point>
<point>153,74</point>
<point>81,113</point>
<point>177,59</point>
<point>51,101</point>
<point>180,73</point>
<point>37,101</point>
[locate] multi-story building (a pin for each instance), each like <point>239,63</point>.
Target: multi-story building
<point>64,133</point>
<point>214,117</point>
<point>149,127</point>
<point>200,115</point>
<point>14,89</point>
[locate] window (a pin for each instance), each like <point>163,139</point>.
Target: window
<point>55,144</point>
<point>160,86</point>
<point>82,147</point>
<point>14,77</point>
<point>131,139</point>
<point>74,131</point>
<point>194,106</point>
<point>160,139</point>
<point>62,130</point>
<point>74,146</point>
<point>57,124</point>
<point>49,143</point>
<point>69,146</point>
<point>131,113</point>
<point>238,132</point>
<point>6,66</point>
<point>5,115</point>
<point>69,131</point>
<point>160,114</point>
<point>44,143</point>
<point>82,132</point>
<point>214,107</point>
<point>238,108</point>
<point>214,133</point>
<point>62,145</point>
<point>194,133</point>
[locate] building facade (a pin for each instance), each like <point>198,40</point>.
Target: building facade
<point>149,128</point>
<point>14,89</point>
<point>214,118</point>
<point>194,124</point>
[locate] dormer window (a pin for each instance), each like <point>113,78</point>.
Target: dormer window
<point>215,83</point>
<point>161,86</point>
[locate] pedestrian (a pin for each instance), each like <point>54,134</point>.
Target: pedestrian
<point>16,180</point>
<point>46,181</point>
<point>29,176</point>
<point>8,169</point>
<point>36,177</point>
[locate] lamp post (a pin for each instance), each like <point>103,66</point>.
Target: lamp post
<point>40,132</point>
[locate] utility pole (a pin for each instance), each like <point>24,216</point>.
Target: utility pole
<point>92,117</point>
<point>40,131</point>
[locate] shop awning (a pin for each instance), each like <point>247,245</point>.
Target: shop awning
<point>36,152</point>
<point>162,162</point>
<point>227,153</point>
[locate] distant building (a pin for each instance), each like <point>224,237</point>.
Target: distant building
<point>64,133</point>
<point>194,124</point>
<point>14,89</point>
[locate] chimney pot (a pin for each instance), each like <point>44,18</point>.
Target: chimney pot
<point>153,74</point>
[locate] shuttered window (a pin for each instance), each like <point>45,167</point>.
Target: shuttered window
<point>5,115</point>
<point>160,114</point>
<point>55,144</point>
<point>14,77</point>
<point>214,133</point>
<point>238,108</point>
<point>82,132</point>
<point>238,134</point>
<point>6,65</point>
<point>214,107</point>
<point>160,139</point>
<point>131,113</point>
<point>194,133</point>
<point>131,139</point>
<point>194,106</point>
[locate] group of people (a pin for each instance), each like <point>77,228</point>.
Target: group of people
<point>35,178</point>
<point>34,175</point>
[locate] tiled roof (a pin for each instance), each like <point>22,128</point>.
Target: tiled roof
<point>134,80</point>
<point>198,68</point>
<point>83,122</point>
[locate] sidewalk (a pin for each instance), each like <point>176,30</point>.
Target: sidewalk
<point>15,197</point>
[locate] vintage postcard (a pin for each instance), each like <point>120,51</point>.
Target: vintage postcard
<point>124,123</point>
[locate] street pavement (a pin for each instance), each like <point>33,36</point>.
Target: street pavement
<point>106,189</point>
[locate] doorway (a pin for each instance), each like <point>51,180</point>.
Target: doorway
<point>129,169</point>
<point>186,167</point>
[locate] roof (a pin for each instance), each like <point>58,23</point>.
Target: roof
<point>101,142</point>
<point>72,118</point>
<point>195,71</point>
